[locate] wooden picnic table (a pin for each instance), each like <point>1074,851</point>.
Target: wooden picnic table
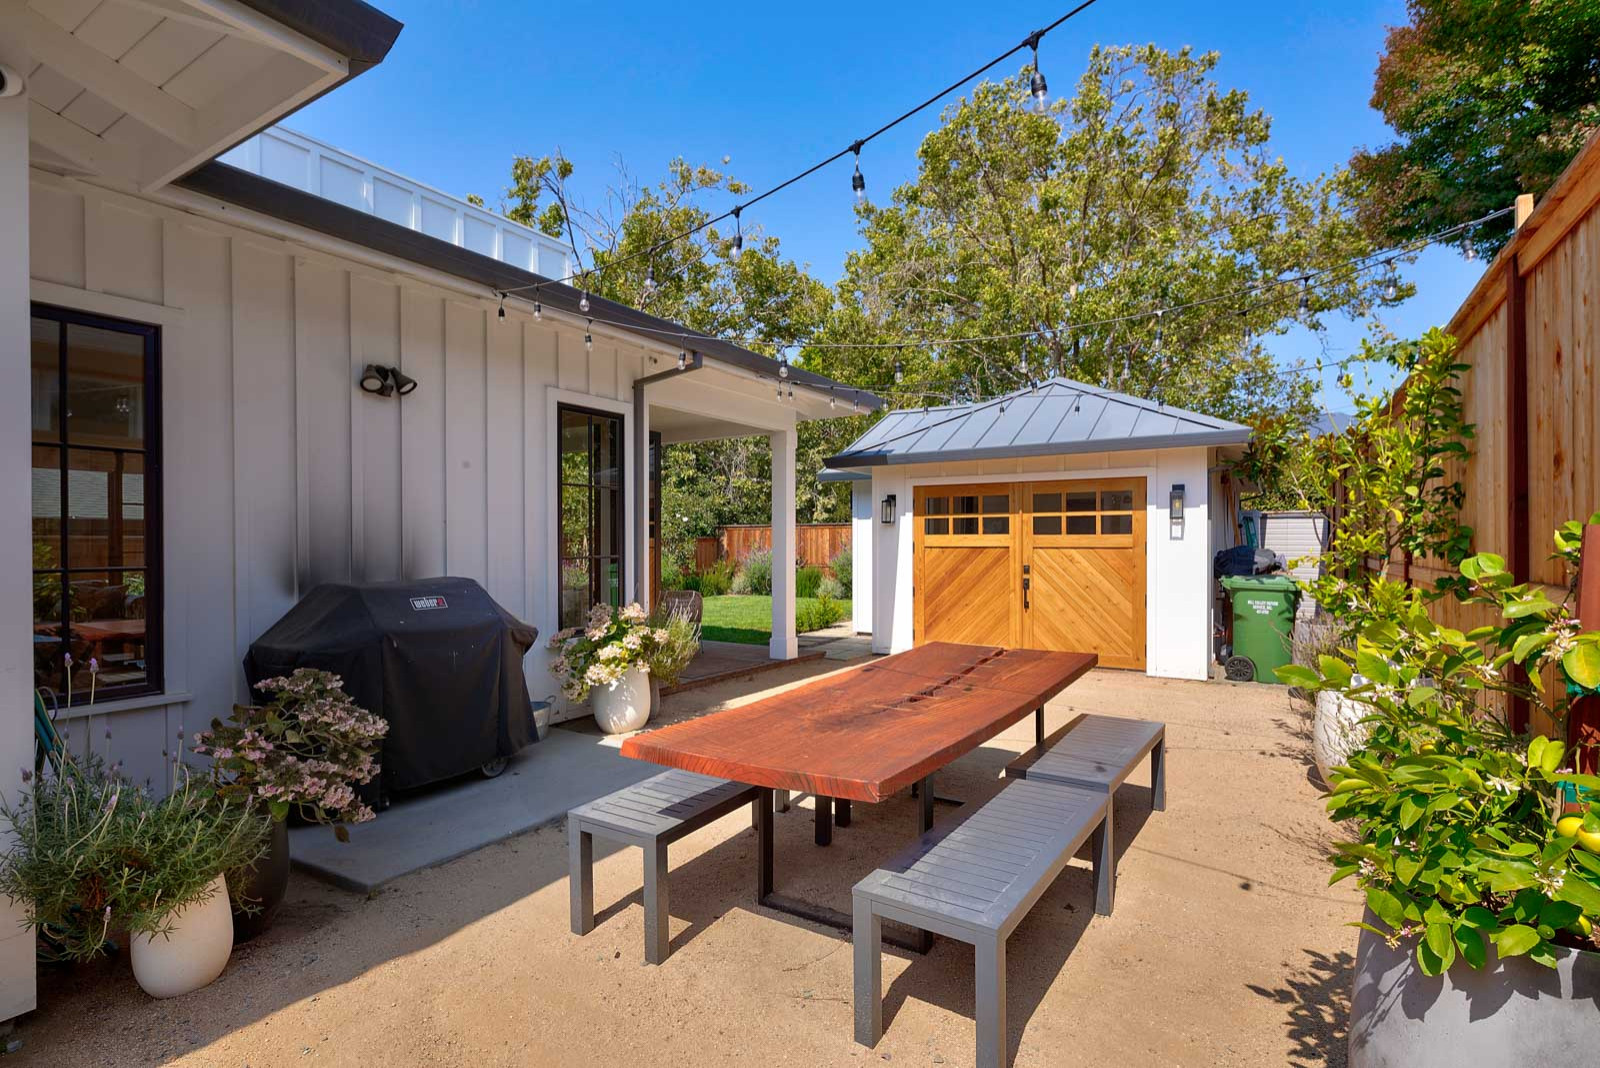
<point>864,734</point>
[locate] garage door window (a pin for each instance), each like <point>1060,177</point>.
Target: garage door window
<point>964,514</point>
<point>1083,512</point>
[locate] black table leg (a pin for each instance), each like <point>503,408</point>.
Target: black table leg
<point>925,807</point>
<point>824,834</point>
<point>841,812</point>
<point>763,844</point>
<point>1038,725</point>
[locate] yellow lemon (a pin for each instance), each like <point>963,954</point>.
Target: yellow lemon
<point>1582,926</point>
<point>1569,826</point>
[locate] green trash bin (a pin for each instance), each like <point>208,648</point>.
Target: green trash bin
<point>1263,625</point>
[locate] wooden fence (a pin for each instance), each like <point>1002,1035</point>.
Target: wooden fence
<point>816,544</point>
<point>1529,333</point>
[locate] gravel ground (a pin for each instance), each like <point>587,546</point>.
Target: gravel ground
<point>1227,946</point>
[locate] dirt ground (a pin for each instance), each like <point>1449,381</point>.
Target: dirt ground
<point>1227,947</point>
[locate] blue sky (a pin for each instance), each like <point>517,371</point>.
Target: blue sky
<point>775,87</point>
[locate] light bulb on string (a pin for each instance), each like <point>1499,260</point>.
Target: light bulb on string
<point>1305,294</point>
<point>738,232</point>
<point>501,314</point>
<point>1391,287</point>
<point>588,336</point>
<point>538,310</point>
<point>683,359</point>
<point>833,401</point>
<point>1159,314</point>
<point>583,301</point>
<point>899,373</point>
<point>650,281</point>
<point>783,365</point>
<point>1037,87</point>
<point>1468,249</point>
<point>791,391</point>
<point>780,390</point>
<point>858,181</point>
<point>855,402</point>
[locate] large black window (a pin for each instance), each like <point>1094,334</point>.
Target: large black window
<point>96,506</point>
<point>590,512</point>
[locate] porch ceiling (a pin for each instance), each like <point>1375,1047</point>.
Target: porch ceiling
<point>144,91</point>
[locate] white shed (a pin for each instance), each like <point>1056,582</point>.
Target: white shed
<point>1066,517</point>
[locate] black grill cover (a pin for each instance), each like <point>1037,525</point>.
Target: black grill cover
<point>437,658</point>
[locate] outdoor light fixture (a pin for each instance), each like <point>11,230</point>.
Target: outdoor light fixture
<point>1037,87</point>
<point>1175,510</point>
<point>888,510</point>
<point>683,359</point>
<point>738,232</point>
<point>502,312</point>
<point>375,379</point>
<point>386,381</point>
<point>583,301</point>
<point>588,336</point>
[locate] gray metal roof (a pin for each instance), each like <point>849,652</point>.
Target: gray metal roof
<point>829,474</point>
<point>1062,416</point>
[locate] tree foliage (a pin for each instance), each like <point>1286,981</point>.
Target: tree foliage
<point>1489,99</point>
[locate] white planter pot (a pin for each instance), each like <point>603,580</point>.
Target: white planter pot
<point>624,705</point>
<point>1337,730</point>
<point>193,954</point>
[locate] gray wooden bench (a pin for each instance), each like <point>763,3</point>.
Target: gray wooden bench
<point>651,815</point>
<point>975,882</point>
<point>1099,753</point>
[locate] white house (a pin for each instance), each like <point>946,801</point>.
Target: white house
<point>1063,517</point>
<point>183,345</point>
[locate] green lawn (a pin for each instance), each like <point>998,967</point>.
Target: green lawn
<point>746,618</point>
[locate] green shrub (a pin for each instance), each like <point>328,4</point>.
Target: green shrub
<point>714,581</point>
<point>817,613</point>
<point>672,578</point>
<point>806,581</point>
<point>841,565</point>
<point>756,574</point>
<point>831,587</point>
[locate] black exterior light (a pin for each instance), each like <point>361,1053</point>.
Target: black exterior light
<point>403,383</point>
<point>888,510</point>
<point>1175,511</point>
<point>375,379</point>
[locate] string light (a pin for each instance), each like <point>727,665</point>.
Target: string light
<point>650,281</point>
<point>1159,314</point>
<point>1391,288</point>
<point>583,302</point>
<point>502,312</point>
<point>738,232</point>
<point>899,373</point>
<point>538,311</point>
<point>588,336</point>
<point>683,359</point>
<point>858,181</point>
<point>1305,294</point>
<point>783,366</point>
<point>1037,87</point>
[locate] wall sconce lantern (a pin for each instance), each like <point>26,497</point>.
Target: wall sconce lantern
<point>1175,510</point>
<point>888,510</point>
<point>386,381</point>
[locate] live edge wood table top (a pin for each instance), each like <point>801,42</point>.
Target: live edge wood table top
<point>868,732</point>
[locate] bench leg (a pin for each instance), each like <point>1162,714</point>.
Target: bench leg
<point>1038,726</point>
<point>867,935</point>
<point>841,812</point>
<point>655,903</point>
<point>580,877</point>
<point>1158,776</point>
<point>990,966</point>
<point>1105,865</point>
<point>824,833</point>
<point>783,800</point>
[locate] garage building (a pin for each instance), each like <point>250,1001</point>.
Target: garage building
<point>1063,517</point>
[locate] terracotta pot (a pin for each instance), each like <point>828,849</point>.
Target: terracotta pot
<point>266,881</point>
<point>193,953</point>
<point>1512,1012</point>
<point>623,705</point>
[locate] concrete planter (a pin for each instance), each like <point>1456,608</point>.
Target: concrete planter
<point>624,705</point>
<point>193,953</point>
<point>1512,1012</point>
<point>1337,730</point>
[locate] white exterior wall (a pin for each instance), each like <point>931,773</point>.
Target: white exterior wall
<point>17,984</point>
<point>279,473</point>
<point>862,516</point>
<point>1178,569</point>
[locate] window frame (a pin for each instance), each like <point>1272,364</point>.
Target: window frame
<point>620,511</point>
<point>154,512</point>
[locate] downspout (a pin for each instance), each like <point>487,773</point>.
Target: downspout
<point>641,467</point>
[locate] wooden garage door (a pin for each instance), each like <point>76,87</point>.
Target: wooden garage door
<point>1078,545</point>
<point>965,586</point>
<point>1084,554</point>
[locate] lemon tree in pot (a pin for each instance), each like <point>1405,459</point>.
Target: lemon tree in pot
<point>1481,893</point>
<point>301,751</point>
<point>94,856</point>
<point>609,660</point>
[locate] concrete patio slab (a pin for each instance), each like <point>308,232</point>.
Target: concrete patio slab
<point>566,769</point>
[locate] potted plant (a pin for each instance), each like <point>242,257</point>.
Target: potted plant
<point>94,856</point>
<point>610,658</point>
<point>303,750</point>
<point>1478,944</point>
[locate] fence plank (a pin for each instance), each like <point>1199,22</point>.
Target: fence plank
<point>816,544</point>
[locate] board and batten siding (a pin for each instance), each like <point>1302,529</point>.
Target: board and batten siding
<point>279,472</point>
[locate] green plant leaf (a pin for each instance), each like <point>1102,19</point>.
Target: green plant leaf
<point>1296,675</point>
<point>1439,937</point>
<point>1410,812</point>
<point>1386,906</point>
<point>1516,940</point>
<point>1582,664</point>
<point>1473,950</point>
<point>1406,868</point>
<point>1480,917</point>
<point>1334,670</point>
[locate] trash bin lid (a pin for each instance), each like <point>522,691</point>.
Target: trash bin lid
<point>1283,583</point>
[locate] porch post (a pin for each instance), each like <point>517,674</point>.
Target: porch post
<point>16,553</point>
<point>639,463</point>
<point>784,645</point>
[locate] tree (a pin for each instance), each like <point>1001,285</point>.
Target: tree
<point>1150,188</point>
<point>1490,98</point>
